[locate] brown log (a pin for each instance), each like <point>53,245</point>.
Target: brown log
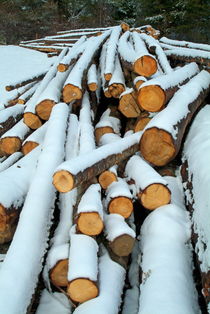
<point>122,245</point>
<point>159,146</point>
<point>121,205</point>
<point>32,120</point>
<point>9,122</point>
<point>154,196</point>
<point>71,92</point>
<point>181,54</point>
<point>10,145</point>
<point>44,108</point>
<point>106,178</point>
<point>8,223</point>
<point>89,223</point>
<point>59,273</point>
<point>25,82</point>
<point>145,66</point>
<point>28,147</point>
<point>128,104</point>
<point>82,289</point>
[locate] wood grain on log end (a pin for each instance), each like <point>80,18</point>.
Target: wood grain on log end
<point>81,290</point>
<point>63,181</point>
<point>44,108</point>
<point>128,106</point>
<point>28,147</point>
<point>32,120</point>
<point>156,146</point>
<point>59,273</point>
<point>62,67</point>
<point>145,66</point>
<point>71,92</point>
<point>99,132</point>
<point>92,87</point>
<point>154,196</point>
<point>21,101</point>
<point>116,89</point>
<point>107,93</point>
<point>107,76</point>
<point>106,178</point>
<point>151,98</point>
<point>10,145</point>
<point>121,205</point>
<point>90,223</point>
<point>122,245</point>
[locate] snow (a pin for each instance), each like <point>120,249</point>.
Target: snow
<point>83,258</point>
<point>174,78</point>
<point>139,78</point>
<point>30,63</point>
<point>38,135</point>
<point>139,45</point>
<point>82,162</point>
<point>91,201</point>
<point>10,161</point>
<point>167,282</point>
<point>185,44</point>
<point>125,49</point>
<point>178,107</point>
<point>116,189</point>
<point>56,254</point>
<point>107,120</point>
<point>111,282</point>
<point>92,76</point>
<point>20,130</point>
<point>53,303</point>
<point>142,173</point>
<point>116,226</point>
<point>197,154</point>
<point>72,141</point>
<point>176,188</point>
<point>11,111</point>
<point>76,49</point>
<point>30,240</point>
<point>29,92</point>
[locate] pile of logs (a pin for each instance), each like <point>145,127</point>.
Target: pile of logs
<point>105,124</point>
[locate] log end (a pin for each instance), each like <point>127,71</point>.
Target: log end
<point>28,147</point>
<point>106,178</point>
<point>21,101</point>
<point>128,106</point>
<point>145,66</point>
<point>116,89</point>
<point>32,120</point>
<point>107,76</point>
<point>59,274</point>
<point>125,27</point>
<point>62,67</point>
<point>121,205</point>
<point>44,108</point>
<point>154,196</point>
<point>63,181</point>
<point>157,146</point>
<point>90,223</point>
<point>151,98</point>
<point>92,87</point>
<point>99,132</point>
<point>81,290</point>
<point>122,245</point>
<point>71,92</point>
<point>10,145</point>
<point>141,123</point>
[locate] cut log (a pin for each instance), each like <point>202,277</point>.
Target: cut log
<point>142,121</point>
<point>128,105</point>
<point>58,274</point>
<point>107,177</point>
<point>83,268</point>
<point>117,82</point>
<point>194,171</point>
<point>72,173</point>
<point>120,236</point>
<point>27,95</point>
<point>161,141</point>
<point>92,78</point>
<point>184,44</point>
<point>154,94</point>
<point>4,164</point>
<point>111,52</point>
<point>37,216</point>
<point>73,88</point>
<point>119,199</point>
<point>11,141</point>
<point>37,77</point>
<point>9,117</point>
<point>151,188</point>
<point>138,81</point>
<point>35,139</point>
<point>90,212</point>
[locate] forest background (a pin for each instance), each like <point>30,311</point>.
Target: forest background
<point>32,19</point>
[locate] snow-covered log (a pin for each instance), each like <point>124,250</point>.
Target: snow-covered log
<point>162,137</point>
<point>111,52</point>
<point>155,48</point>
<point>107,124</point>
<point>111,282</point>
<point>167,280</point>
<point>92,78</point>
<point>102,60</point>
<point>83,268</point>
<point>31,241</point>
<point>151,188</point>
<point>195,176</point>
<point>153,95</point>
<point>128,105</point>
<point>185,44</point>
<point>82,168</point>
<point>138,81</point>
<point>53,303</point>
<point>9,161</point>
<point>136,58</point>
<point>35,139</point>
<point>73,87</point>
<point>73,54</point>
<point>120,236</point>
<point>30,117</point>
<point>9,117</point>
<point>90,212</point>
<point>22,99</point>
<point>11,141</point>
<point>14,185</point>
<point>119,199</point>
<point>107,177</point>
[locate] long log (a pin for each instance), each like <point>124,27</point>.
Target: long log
<point>161,140</point>
<point>72,173</point>
<point>9,161</point>
<point>9,117</point>
<point>184,44</point>
<point>34,140</point>
<point>154,94</point>
<point>26,81</point>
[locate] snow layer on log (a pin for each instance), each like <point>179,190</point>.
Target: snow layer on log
<point>125,48</point>
<point>111,281</point>
<point>178,107</point>
<point>176,188</point>
<point>197,154</point>
<point>116,226</point>
<point>25,96</point>
<point>19,130</point>
<point>31,241</point>
<point>185,44</point>
<point>10,161</point>
<point>119,188</point>
<point>91,201</point>
<point>17,179</point>
<point>167,263</point>
<point>83,258</point>
<point>72,142</point>
<point>107,120</point>
<point>56,254</point>
<point>10,112</point>
<point>53,303</point>
<point>92,77</point>
<point>108,138</point>
<point>188,52</point>
<point>38,135</point>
